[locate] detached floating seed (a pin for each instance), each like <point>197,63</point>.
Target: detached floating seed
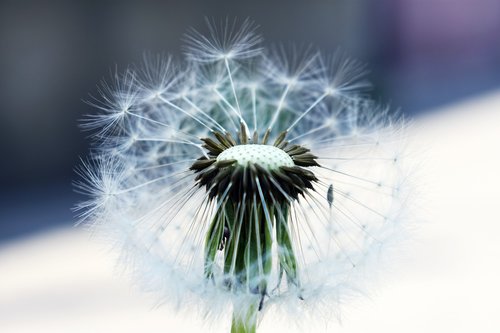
<point>329,195</point>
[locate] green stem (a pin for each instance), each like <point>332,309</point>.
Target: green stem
<point>245,320</point>
<point>244,232</point>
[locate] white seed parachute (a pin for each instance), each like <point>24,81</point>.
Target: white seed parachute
<point>145,199</point>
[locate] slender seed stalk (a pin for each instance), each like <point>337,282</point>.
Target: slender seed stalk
<point>245,321</point>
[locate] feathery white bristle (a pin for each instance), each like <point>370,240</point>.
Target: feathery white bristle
<point>143,196</point>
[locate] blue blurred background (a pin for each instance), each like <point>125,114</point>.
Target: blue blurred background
<point>422,54</point>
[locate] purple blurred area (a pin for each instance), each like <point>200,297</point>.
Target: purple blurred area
<point>422,54</point>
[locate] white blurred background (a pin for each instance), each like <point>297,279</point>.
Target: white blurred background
<point>445,278</point>
<point>439,61</point>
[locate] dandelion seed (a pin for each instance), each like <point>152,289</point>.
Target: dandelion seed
<point>329,195</point>
<point>218,181</point>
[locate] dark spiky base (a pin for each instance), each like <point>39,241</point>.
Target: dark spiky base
<point>282,184</point>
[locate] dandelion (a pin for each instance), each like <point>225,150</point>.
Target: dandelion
<point>244,179</point>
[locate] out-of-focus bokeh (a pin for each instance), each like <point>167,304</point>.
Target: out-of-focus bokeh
<point>423,55</point>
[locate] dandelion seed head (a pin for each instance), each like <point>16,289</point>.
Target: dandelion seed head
<point>245,175</point>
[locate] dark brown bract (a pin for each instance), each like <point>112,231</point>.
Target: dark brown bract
<point>282,184</point>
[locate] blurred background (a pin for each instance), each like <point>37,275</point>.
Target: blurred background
<point>433,59</point>
<point>421,53</point>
